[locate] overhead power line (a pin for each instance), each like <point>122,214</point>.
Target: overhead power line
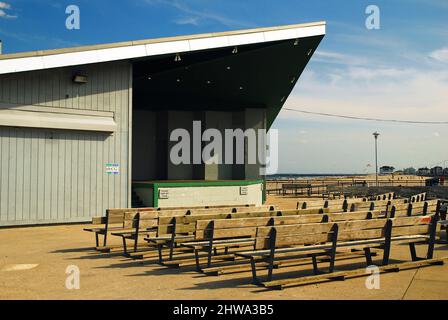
<point>366,119</point>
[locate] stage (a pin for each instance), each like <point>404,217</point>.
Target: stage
<point>169,193</point>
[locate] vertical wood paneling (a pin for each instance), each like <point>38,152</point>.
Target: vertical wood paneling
<point>4,155</point>
<point>57,175</point>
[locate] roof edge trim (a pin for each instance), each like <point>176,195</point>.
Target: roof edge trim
<point>39,60</point>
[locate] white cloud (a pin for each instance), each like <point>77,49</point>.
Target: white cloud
<point>4,5</point>
<point>440,55</point>
<point>339,58</point>
<point>374,90</point>
<point>202,14</point>
<point>3,14</point>
<point>374,73</point>
<point>190,20</point>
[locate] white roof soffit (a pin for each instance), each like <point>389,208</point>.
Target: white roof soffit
<point>39,60</point>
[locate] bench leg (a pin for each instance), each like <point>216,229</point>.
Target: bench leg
<point>171,250</point>
<point>332,262</point>
<point>315,266</point>
<point>136,243</point>
<point>97,240</point>
<point>159,248</point>
<point>368,255</point>
<point>209,256</point>
<point>254,271</point>
<point>333,247</point>
<point>386,255</point>
<point>270,268</point>
<point>105,239</point>
<point>196,256</point>
<point>125,249</point>
<point>387,242</point>
<point>413,252</point>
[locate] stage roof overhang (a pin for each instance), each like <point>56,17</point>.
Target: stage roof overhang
<point>256,68</point>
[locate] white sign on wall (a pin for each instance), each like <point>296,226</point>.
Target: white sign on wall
<point>112,168</point>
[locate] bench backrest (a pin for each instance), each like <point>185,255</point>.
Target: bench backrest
<point>418,197</point>
<point>359,230</point>
<point>416,208</point>
<point>246,227</point>
<point>208,207</point>
<point>384,196</point>
<point>140,220</point>
<point>187,224</point>
<point>339,203</point>
<point>171,213</point>
<point>117,216</point>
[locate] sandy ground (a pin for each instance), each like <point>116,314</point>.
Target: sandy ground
<point>33,263</point>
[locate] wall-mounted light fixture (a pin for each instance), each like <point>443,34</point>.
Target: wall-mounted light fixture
<point>81,79</point>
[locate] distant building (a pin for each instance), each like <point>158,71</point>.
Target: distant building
<point>423,171</point>
<point>410,171</point>
<point>437,171</point>
<point>445,172</point>
<point>387,170</point>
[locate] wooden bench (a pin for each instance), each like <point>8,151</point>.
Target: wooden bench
<point>319,239</point>
<point>211,235</point>
<point>418,197</point>
<point>346,205</point>
<point>113,221</point>
<point>219,233</point>
<point>139,224</point>
<point>115,218</point>
<point>409,209</point>
<point>207,237</point>
<point>385,196</point>
<point>174,230</point>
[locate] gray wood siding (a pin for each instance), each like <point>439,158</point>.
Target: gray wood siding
<point>51,176</point>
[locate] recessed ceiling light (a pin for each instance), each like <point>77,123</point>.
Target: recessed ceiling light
<point>310,52</point>
<point>293,79</point>
<point>178,80</point>
<point>209,82</point>
<point>283,99</point>
<point>235,50</point>
<point>241,87</point>
<point>149,78</point>
<point>177,58</point>
<point>228,68</point>
<point>296,42</point>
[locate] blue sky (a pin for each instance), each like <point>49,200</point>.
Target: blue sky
<point>397,72</point>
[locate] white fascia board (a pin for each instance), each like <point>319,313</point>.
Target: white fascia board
<point>21,64</point>
<point>208,43</point>
<point>154,49</point>
<point>242,39</point>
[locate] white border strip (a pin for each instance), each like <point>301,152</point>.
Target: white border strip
<point>139,51</point>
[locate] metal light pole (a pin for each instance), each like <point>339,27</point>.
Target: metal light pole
<point>376,134</point>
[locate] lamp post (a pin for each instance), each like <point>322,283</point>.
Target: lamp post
<point>376,134</point>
